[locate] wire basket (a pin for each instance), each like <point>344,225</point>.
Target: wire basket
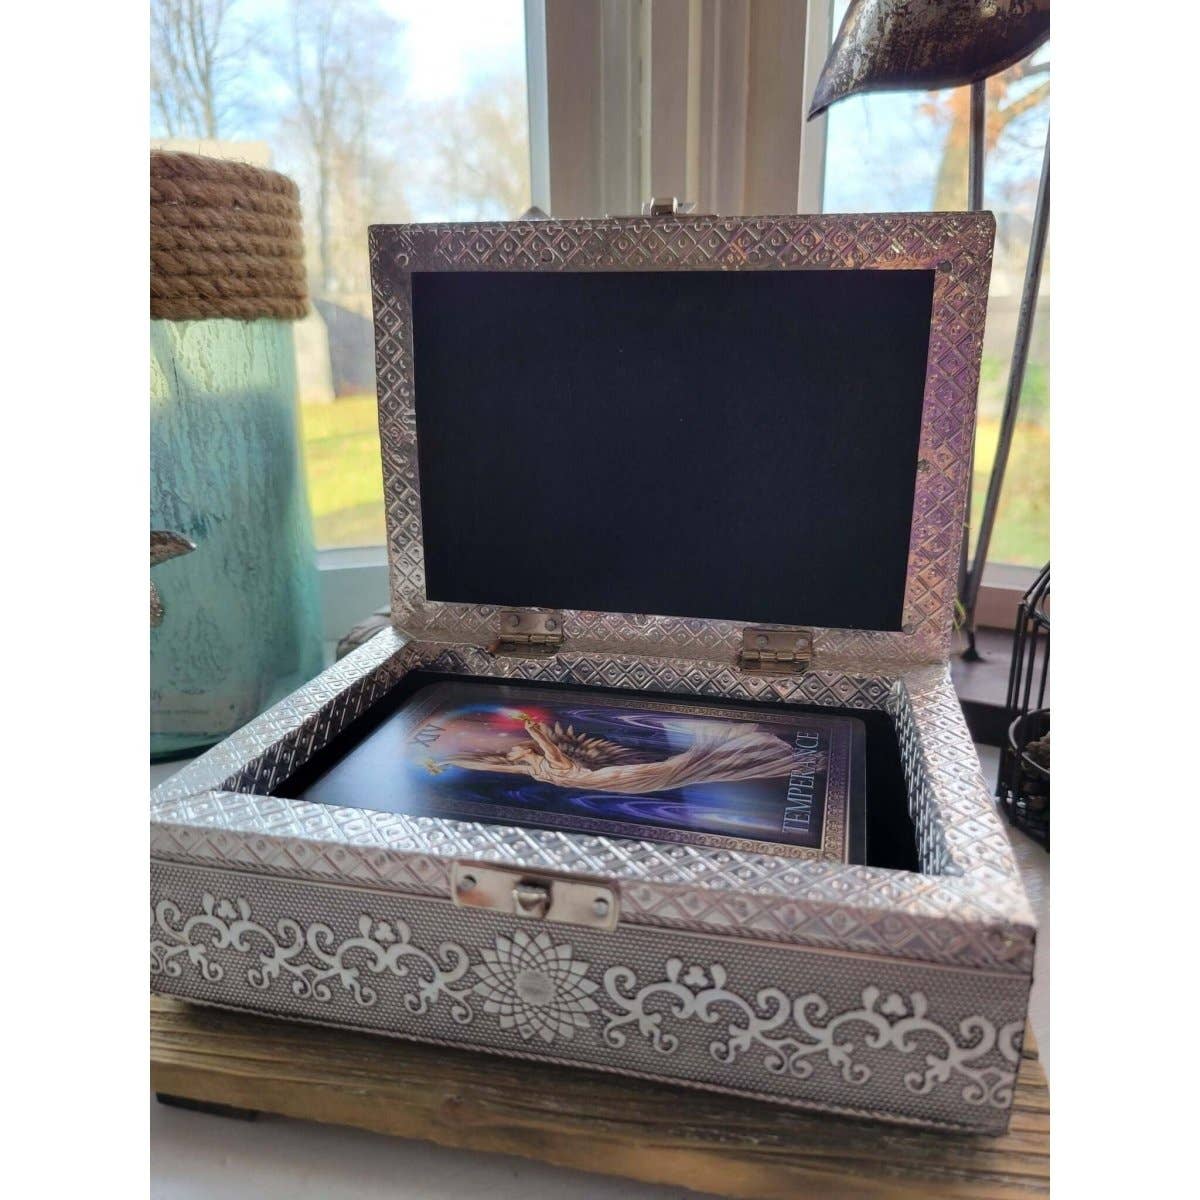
<point>1023,785</point>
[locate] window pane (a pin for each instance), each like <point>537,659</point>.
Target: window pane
<point>1018,116</point>
<point>380,110</point>
<point>907,151</point>
<point>894,152</point>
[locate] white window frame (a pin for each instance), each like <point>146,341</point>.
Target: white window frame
<point>353,584</point>
<point>818,39</point>
<point>689,98</point>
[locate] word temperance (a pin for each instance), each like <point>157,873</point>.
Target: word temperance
<point>798,810</point>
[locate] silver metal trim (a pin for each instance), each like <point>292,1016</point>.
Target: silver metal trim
<point>966,912</point>
<point>956,246</point>
<point>642,1003</point>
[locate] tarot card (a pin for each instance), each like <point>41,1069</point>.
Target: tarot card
<point>784,783</point>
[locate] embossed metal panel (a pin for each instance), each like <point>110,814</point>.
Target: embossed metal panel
<point>957,246</point>
<point>848,1033</point>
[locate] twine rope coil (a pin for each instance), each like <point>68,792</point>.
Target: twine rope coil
<point>226,240</point>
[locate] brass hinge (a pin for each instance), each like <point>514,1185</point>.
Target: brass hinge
<point>522,632</point>
<point>776,651</point>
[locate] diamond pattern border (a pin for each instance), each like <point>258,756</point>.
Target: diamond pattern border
<point>958,246</point>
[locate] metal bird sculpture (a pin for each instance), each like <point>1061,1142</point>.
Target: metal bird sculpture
<point>163,545</point>
<point>898,45</point>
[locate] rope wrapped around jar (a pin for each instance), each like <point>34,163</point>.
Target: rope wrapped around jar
<point>226,240</point>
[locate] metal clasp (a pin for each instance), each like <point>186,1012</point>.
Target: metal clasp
<point>667,206</point>
<point>533,897</point>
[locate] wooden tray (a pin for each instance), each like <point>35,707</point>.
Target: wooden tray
<point>585,1119</point>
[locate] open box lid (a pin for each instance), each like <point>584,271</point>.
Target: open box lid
<point>692,435</point>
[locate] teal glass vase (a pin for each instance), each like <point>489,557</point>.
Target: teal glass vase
<point>240,624</point>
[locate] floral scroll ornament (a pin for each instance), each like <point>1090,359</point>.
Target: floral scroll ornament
<point>535,987</point>
<point>382,948</point>
<point>771,1023</point>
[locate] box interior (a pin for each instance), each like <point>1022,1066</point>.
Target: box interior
<point>891,841</point>
<point>708,444</point>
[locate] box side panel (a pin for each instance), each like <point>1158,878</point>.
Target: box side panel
<point>844,1032</point>
<point>959,831</point>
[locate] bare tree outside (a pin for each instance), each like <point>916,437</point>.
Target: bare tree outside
<point>333,106</point>
<point>478,153</point>
<point>376,120</point>
<point>340,63</point>
<point>1007,102</point>
<point>909,151</point>
<point>197,49</point>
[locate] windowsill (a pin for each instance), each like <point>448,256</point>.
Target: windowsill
<point>1003,586</point>
<point>354,583</point>
<point>982,686</point>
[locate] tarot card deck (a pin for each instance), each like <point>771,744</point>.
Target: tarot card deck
<point>782,783</point>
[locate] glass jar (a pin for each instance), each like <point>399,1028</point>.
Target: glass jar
<point>241,620</point>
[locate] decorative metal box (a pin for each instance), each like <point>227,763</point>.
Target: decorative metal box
<point>850,988</point>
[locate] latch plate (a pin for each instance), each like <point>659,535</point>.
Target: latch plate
<point>531,896</point>
<point>667,206</point>
<point>776,651</point>
<point>528,633</point>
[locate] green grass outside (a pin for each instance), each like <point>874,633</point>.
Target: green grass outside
<point>1035,394</point>
<point>345,488</point>
<point>345,477</point>
<point>1022,530</point>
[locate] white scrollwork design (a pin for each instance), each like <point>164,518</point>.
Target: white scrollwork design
<point>166,957</point>
<point>772,1020</point>
<point>312,958</point>
<point>538,987</point>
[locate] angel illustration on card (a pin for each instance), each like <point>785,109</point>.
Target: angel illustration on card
<point>719,752</point>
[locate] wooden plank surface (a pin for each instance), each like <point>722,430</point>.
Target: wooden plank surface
<point>586,1119</point>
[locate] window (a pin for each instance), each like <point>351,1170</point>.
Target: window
<point>395,110</point>
<point>380,110</point>
<point>908,150</point>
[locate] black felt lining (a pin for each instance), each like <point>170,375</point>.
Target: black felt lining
<point>737,445</point>
<point>890,839</point>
